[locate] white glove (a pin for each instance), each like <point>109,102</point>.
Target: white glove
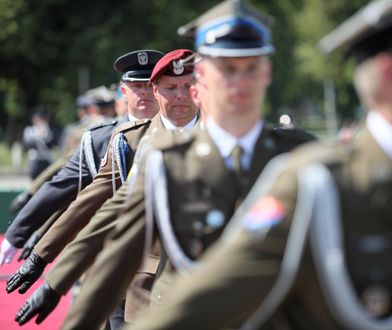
<point>7,252</point>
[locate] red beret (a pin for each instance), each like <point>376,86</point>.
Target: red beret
<point>170,65</point>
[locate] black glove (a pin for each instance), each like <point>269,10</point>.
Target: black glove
<point>42,302</point>
<point>29,246</point>
<point>27,274</point>
<point>19,201</point>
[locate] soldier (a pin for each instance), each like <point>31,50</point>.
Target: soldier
<point>338,194</point>
<point>199,181</point>
<point>171,83</point>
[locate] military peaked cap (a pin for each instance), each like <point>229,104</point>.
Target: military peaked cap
<point>232,28</point>
<point>137,65</point>
<point>100,95</point>
<point>364,34</point>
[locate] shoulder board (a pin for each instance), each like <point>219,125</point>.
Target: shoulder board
<point>165,139</point>
<point>131,125</point>
<point>326,152</point>
<point>292,135</point>
<point>103,124</point>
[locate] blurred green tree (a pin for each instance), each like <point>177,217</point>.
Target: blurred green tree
<point>52,50</point>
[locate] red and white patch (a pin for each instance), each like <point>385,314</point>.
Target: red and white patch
<point>265,213</point>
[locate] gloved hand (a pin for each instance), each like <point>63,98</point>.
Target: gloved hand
<point>19,201</point>
<point>42,302</point>
<point>7,252</point>
<point>29,246</point>
<point>27,274</point>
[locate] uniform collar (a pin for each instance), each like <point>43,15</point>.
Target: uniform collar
<point>225,141</point>
<point>169,125</point>
<point>131,117</point>
<point>381,131</point>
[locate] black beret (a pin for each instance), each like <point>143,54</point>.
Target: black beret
<point>137,65</point>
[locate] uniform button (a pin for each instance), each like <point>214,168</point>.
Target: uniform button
<point>159,297</point>
<point>269,144</point>
<point>215,219</point>
<point>197,227</point>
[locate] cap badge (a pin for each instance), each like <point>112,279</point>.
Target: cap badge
<point>178,67</point>
<point>142,58</point>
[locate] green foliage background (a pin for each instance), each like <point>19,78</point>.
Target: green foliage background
<point>46,45</point>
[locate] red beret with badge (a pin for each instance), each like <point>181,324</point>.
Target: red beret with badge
<point>172,64</point>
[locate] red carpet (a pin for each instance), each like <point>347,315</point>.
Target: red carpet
<point>10,304</point>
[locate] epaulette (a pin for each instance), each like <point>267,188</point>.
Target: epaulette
<point>166,139</point>
<point>327,152</point>
<point>293,136</point>
<point>103,124</point>
<point>131,125</point>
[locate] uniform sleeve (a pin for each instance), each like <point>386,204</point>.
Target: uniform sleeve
<point>114,268</point>
<point>235,275</point>
<point>78,255</point>
<point>79,212</point>
<point>49,172</point>
<point>53,195</point>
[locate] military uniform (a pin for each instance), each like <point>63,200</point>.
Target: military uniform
<point>200,188</point>
<point>63,187</point>
<point>94,195</point>
<point>94,233</point>
<point>239,273</point>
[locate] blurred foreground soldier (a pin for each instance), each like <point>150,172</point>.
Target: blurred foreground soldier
<point>198,180</point>
<point>339,195</point>
<point>171,89</point>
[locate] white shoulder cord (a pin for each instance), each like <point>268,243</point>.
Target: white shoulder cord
<point>327,247</point>
<point>86,150</point>
<point>89,153</point>
<point>114,149</point>
<point>309,181</point>
<point>157,203</point>
<point>81,155</point>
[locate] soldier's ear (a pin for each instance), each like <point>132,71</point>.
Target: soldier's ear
<point>155,90</point>
<point>199,75</point>
<point>122,88</point>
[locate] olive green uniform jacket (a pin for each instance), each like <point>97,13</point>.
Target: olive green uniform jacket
<point>90,199</point>
<point>238,273</point>
<point>198,183</point>
<point>81,252</point>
